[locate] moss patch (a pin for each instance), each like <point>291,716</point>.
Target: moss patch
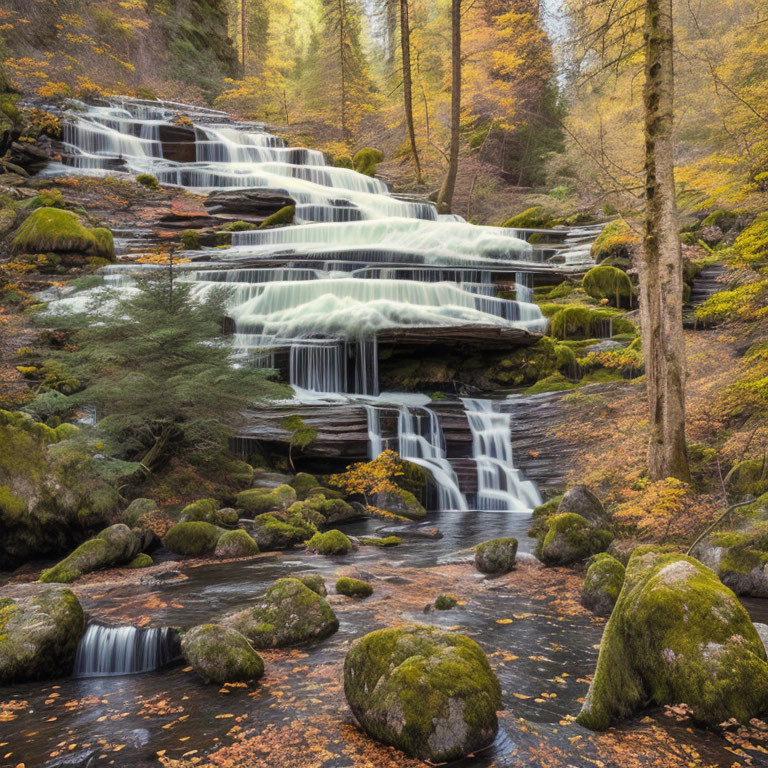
<point>330,543</point>
<point>366,160</point>
<point>236,544</point>
<point>496,556</point>
<point>191,538</point>
<point>353,587</point>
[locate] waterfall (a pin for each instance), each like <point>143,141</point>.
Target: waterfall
<point>375,439</point>
<point>499,485</point>
<point>107,651</point>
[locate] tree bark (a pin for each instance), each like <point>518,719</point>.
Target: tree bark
<point>343,63</point>
<point>445,198</point>
<point>661,277</point>
<point>405,45</point>
<point>243,31</point>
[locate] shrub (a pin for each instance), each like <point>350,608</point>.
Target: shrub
<point>366,160</point>
<point>148,180</point>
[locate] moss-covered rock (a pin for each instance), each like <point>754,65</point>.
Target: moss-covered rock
<point>220,654</point>
<point>445,602</point>
<point>39,635</point>
<point>320,510</point>
<point>428,692</point>
<point>256,501</point>
<point>290,613</point>
<point>748,478</point>
<point>330,543</point>
<point>104,243</point>
<point>54,230</point>
<point>281,218</point>
<point>353,587</point>
<point>314,581</point>
<point>579,322</point>
<point>677,635</point>
<point>400,502</point>
<point>304,484</point>
<point>236,544</point>
<point>280,530</point>
<point>571,538</point>
<point>388,541</point>
<point>366,160</point>
<point>190,240</point>
<point>605,282</point>
<point>137,512</point>
<point>148,180</point>
<point>526,365</point>
<point>602,584</point>
<point>142,560</point>
<point>580,500</point>
<point>496,556</point>
<point>200,511</point>
<point>536,217</point>
<point>616,245</point>
<point>116,545</point>
<point>197,538</point>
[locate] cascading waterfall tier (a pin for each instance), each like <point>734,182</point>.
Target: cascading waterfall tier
<point>106,651</point>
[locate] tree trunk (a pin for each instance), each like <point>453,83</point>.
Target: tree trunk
<point>405,44</point>
<point>342,62</point>
<point>243,31</point>
<point>661,276</point>
<point>445,198</point>
<point>155,453</point>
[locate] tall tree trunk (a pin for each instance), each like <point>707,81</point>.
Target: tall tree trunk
<point>243,32</point>
<point>661,276</point>
<point>343,64</point>
<point>445,198</point>
<point>405,45</point>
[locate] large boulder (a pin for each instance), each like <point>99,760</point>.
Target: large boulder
<point>400,502</point>
<point>304,484</point>
<point>257,501</point>
<point>275,531</point>
<point>193,539</point>
<point>114,546</point>
<point>39,635</point>
<point>290,613</point>
<point>137,513</point>
<point>236,544</point>
<point>579,500</point>
<point>425,691</point>
<point>330,543</point>
<point>255,203</point>
<point>602,584</point>
<point>221,655</point>
<point>570,538</point>
<point>496,556</point>
<point>321,510</point>
<point>677,635</point>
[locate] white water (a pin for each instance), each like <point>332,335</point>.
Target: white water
<point>105,651</point>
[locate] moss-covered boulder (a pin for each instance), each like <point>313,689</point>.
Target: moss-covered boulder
<point>427,692</point>
<point>221,655</point>
<point>387,541</point>
<point>602,584</point>
<point>137,512</point>
<point>496,556</point>
<point>304,484</point>
<point>148,180</point>
<point>575,321</point>
<point>290,613</point>
<point>580,500</point>
<point>445,602</point>
<point>330,543</point>
<point>314,581</point>
<point>536,217</point>
<point>400,502</point>
<point>276,531</point>
<point>197,538</point>
<point>257,501</point>
<point>353,587</point>
<point>236,544</point>
<point>200,511</point>
<point>103,243</point>
<point>748,478</point>
<point>367,159</point>
<point>226,517</point>
<point>677,635</point>
<point>114,546</point>
<point>320,510</point>
<point>39,635</point>
<point>571,538</point>
<point>141,561</point>
<point>616,245</point>
<point>53,230</point>
<point>606,282</point>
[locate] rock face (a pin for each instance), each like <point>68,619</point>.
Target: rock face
<point>602,584</point>
<point>254,203</point>
<point>570,538</point>
<point>496,556</point>
<point>236,544</point>
<point>116,545</point>
<point>677,635</point>
<point>221,655</point>
<point>290,613</point>
<point>428,692</point>
<point>196,538</point>
<point>178,143</point>
<point>39,635</point>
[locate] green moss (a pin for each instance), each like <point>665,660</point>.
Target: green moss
<point>578,322</point>
<point>602,584</point>
<point>445,602</point>
<point>400,502</point>
<point>750,248</point>
<point>571,538</point>
<point>319,510</point>
<point>221,655</point>
<point>536,217</point>
<point>190,240</point>
<point>366,160</point>
<point>343,161</point>
<point>616,244</point>
<point>741,303</point>
<point>104,243</point>
<point>197,538</point>
<point>526,365</point>
<point>137,512</point>
<point>202,510</point>
<point>260,500</point>
<point>604,282</point>
<point>440,684</point>
<point>51,229</point>
<point>148,180</point>
<point>281,218</point>
<point>304,484</point>
<point>353,587</point>
<point>314,582</point>
<point>389,541</point>
<point>554,383</point>
<point>748,478</point>
<point>496,556</point>
<point>330,543</point>
<point>236,544</point>
<point>677,635</point>
<point>141,561</point>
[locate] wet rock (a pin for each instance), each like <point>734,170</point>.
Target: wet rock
<point>196,538</point>
<point>427,692</point>
<point>220,654</point>
<point>496,556</point>
<point>178,143</point>
<point>570,538</point>
<point>116,545</point>
<point>276,531</point>
<point>257,501</point>
<point>762,631</point>
<point>602,584</point>
<point>677,635</point>
<point>314,581</point>
<point>39,635</point>
<point>353,587</point>
<point>254,203</point>
<point>290,613</point>
<point>389,541</point>
<point>236,544</point>
<point>400,502</point>
<point>415,530</point>
<point>330,543</point>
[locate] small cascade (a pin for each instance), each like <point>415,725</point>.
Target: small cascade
<point>106,651</point>
<point>318,367</point>
<point>375,439</point>
<point>499,485</point>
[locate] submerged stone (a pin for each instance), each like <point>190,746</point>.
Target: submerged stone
<point>220,654</point>
<point>290,613</point>
<point>677,635</point>
<point>602,584</point>
<point>425,691</point>
<point>496,556</point>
